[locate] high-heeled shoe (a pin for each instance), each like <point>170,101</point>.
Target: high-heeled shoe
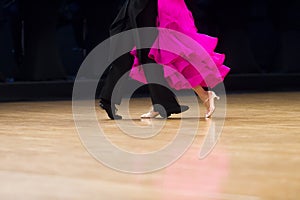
<point>150,114</point>
<point>176,110</point>
<point>209,103</point>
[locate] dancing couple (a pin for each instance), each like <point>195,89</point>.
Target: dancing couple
<point>175,70</point>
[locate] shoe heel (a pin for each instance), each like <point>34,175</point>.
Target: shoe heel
<point>215,96</point>
<point>211,101</point>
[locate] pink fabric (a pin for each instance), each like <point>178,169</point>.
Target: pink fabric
<point>188,57</point>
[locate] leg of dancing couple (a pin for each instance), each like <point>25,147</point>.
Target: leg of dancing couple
<point>195,65</point>
<point>135,14</point>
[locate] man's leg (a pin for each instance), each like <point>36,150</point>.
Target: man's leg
<point>160,95</point>
<point>118,68</point>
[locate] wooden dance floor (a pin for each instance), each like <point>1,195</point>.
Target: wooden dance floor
<point>256,157</point>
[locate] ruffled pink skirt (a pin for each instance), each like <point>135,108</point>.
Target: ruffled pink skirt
<point>187,57</point>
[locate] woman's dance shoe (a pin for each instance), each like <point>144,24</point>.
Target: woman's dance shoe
<point>165,114</point>
<point>209,103</point>
<point>150,114</point>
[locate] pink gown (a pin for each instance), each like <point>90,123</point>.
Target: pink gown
<point>188,60</point>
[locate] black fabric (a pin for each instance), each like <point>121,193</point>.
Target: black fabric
<point>134,14</point>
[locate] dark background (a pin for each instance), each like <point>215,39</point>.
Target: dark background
<point>43,42</point>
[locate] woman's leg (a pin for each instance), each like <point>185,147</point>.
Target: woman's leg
<point>208,99</point>
<point>203,95</point>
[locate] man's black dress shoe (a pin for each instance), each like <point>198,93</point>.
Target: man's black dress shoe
<point>110,109</point>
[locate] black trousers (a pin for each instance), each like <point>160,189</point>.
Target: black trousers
<point>159,94</point>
